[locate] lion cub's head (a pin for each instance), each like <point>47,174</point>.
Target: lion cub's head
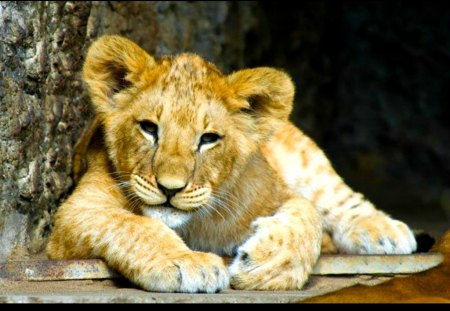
<point>178,131</point>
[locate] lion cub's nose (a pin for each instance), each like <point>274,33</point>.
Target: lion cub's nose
<point>170,187</point>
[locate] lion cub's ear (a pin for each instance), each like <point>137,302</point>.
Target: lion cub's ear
<point>267,92</point>
<point>113,64</point>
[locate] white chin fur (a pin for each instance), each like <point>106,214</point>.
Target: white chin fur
<point>172,217</point>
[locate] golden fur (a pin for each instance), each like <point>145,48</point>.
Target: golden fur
<point>191,162</point>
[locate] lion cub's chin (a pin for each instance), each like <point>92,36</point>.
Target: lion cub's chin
<point>172,217</point>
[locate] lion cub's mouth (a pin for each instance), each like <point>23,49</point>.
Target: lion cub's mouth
<point>172,209</point>
<point>168,204</point>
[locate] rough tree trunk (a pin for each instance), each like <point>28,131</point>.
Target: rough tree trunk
<point>43,106</point>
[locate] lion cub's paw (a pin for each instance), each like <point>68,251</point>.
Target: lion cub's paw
<point>191,272</point>
<point>272,258</point>
<point>376,234</point>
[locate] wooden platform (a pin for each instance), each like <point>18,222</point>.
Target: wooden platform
<point>90,281</point>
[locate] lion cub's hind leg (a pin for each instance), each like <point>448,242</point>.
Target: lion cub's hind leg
<point>374,233</point>
<point>282,251</point>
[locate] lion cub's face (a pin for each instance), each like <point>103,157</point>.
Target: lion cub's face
<point>177,131</point>
<point>177,140</point>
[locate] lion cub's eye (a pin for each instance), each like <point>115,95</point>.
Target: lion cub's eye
<point>208,138</point>
<point>149,128</point>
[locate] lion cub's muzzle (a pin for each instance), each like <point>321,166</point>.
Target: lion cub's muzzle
<point>167,193</point>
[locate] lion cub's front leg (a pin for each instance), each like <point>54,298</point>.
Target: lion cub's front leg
<point>93,224</point>
<point>143,250</point>
<point>282,251</point>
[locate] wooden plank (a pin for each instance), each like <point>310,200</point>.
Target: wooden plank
<point>376,264</point>
<point>48,270</point>
<point>53,270</point>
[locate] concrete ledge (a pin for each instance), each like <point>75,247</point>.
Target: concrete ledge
<point>91,281</point>
<point>108,291</point>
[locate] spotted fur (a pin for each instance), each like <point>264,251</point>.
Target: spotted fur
<point>352,221</point>
<point>189,162</point>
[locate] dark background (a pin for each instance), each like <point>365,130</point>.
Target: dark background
<point>373,80</point>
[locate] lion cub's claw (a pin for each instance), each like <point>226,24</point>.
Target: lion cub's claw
<point>271,259</point>
<point>376,234</point>
<point>193,272</point>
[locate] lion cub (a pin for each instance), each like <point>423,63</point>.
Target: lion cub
<point>189,162</point>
